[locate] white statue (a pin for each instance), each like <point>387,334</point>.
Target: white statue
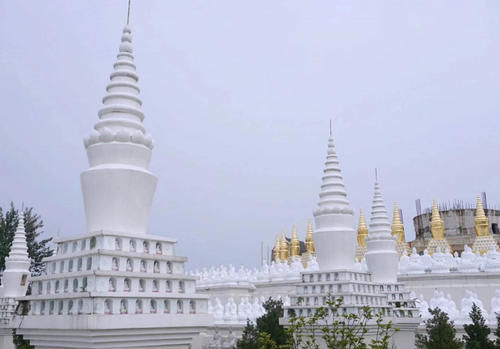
<point>112,286</point>
<point>257,309</point>
<point>492,260</point>
<point>218,310</point>
<point>115,264</point>
<point>439,262</point>
<point>230,311</point>
<point>107,307</point>
<point>156,265</point>
<point>495,306</point>
<point>312,264</point>
<point>423,307</point>
<point>126,285</point>
<point>129,265</point>
<point>404,262</point>
<point>467,263</point>
<point>123,307</point>
<point>415,264</point>
<point>466,306</point>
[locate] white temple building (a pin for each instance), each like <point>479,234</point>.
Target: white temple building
<point>118,286</point>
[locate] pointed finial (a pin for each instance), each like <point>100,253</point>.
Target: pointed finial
<point>276,254</point>
<point>295,244</point>
<point>362,229</point>
<point>397,226</point>
<point>437,225</point>
<point>331,131</point>
<point>128,13</point>
<point>482,225</point>
<point>376,175</point>
<point>309,238</point>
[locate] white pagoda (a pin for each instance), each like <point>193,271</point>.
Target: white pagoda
<point>338,277</point>
<point>116,286</point>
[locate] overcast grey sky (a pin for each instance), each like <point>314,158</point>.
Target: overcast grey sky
<point>238,94</point>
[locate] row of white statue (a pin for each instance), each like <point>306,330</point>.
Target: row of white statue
<point>275,272</point>
<point>246,310</point>
<point>439,262</point>
<point>447,305</point>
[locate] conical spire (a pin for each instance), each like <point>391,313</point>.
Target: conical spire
<point>277,247</point>
<point>381,257</point>
<point>333,192</point>
<point>309,238</point>
<point>437,225</point>
<point>118,187</point>
<point>284,247</point>
<point>121,115</point>
<point>362,229</point>
<point>18,255</point>
<point>295,244</point>
<point>379,221</point>
<point>482,225</point>
<point>397,226</point>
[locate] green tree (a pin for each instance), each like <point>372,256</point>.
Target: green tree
<point>476,333</point>
<point>338,329</point>
<point>497,332</point>
<point>269,322</point>
<point>37,249</point>
<point>249,338</point>
<point>267,333</point>
<point>440,333</point>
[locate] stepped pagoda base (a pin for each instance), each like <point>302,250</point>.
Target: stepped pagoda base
<point>434,244</point>
<point>482,244</point>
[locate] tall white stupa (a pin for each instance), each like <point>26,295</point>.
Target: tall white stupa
<point>334,236</point>
<point>116,286</point>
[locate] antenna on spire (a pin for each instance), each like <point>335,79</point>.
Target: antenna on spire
<point>330,127</point>
<point>128,12</point>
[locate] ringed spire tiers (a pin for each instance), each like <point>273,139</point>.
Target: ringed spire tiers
<point>381,257</point>
<point>17,263</point>
<point>118,187</point>
<point>334,237</point>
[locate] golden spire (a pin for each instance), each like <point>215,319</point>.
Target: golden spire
<point>309,239</point>
<point>276,252</point>
<point>397,226</point>
<point>295,250</point>
<point>362,229</point>
<point>284,247</point>
<point>437,225</point>
<point>482,226</point>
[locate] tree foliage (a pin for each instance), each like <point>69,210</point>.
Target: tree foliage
<point>37,249</point>
<point>267,333</point>
<point>440,333</point>
<point>477,332</point>
<point>340,330</point>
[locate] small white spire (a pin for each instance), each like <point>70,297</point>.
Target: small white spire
<point>19,248</point>
<point>379,221</point>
